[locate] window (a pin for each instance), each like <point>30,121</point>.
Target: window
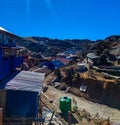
<point>6,52</point>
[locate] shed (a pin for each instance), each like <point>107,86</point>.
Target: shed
<point>118,59</point>
<point>92,58</point>
<point>81,66</point>
<point>20,94</point>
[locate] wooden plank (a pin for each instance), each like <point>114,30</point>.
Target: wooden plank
<point>3,99</point>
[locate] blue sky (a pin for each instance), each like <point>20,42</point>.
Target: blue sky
<point>62,19</point>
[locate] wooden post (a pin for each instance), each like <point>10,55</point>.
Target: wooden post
<point>51,117</point>
<point>0,116</point>
<point>69,117</point>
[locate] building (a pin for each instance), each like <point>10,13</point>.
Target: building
<point>19,91</point>
<point>57,64</point>
<point>54,64</point>
<point>92,58</point>
<point>82,66</point>
<point>19,96</point>
<point>118,59</point>
<point>10,56</point>
<point>65,61</point>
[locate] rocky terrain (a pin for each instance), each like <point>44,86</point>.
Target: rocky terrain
<point>50,47</point>
<point>103,91</point>
<point>107,49</point>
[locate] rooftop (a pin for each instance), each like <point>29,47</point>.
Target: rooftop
<point>9,33</point>
<point>23,81</point>
<point>1,28</point>
<point>92,56</point>
<point>118,57</point>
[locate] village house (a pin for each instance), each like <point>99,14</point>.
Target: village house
<point>20,95</point>
<point>10,56</point>
<point>118,59</point>
<point>19,90</point>
<point>92,58</point>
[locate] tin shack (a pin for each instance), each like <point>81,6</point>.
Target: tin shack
<point>19,96</point>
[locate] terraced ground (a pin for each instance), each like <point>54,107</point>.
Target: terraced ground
<point>93,108</point>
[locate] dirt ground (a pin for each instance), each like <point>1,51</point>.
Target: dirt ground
<point>93,108</point>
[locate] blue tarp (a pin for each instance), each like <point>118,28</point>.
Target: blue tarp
<point>50,65</point>
<point>53,64</point>
<point>57,64</point>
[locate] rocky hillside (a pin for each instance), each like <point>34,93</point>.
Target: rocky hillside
<point>107,50</point>
<point>111,44</point>
<point>50,47</point>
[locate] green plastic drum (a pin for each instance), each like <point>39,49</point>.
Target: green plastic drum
<point>65,104</point>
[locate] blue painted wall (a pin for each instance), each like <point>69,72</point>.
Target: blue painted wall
<point>7,64</point>
<point>21,103</point>
<point>4,66</point>
<point>16,61</point>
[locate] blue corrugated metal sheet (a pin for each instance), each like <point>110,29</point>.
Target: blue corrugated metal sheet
<point>7,64</point>
<point>21,104</point>
<point>53,64</point>
<point>16,61</point>
<point>5,67</point>
<point>49,65</point>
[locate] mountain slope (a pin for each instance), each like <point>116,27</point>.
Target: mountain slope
<point>50,47</point>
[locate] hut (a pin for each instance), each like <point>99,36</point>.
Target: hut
<point>20,94</point>
<point>81,66</point>
<point>92,58</point>
<point>118,59</point>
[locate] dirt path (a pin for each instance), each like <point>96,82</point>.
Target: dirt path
<point>93,108</point>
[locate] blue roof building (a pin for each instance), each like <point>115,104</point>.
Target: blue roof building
<point>53,64</point>
<point>92,58</point>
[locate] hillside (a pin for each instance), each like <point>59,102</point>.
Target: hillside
<point>50,47</point>
<point>101,80</point>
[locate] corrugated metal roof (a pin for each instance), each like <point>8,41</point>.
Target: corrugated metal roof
<point>64,60</point>
<point>91,56</point>
<point>6,31</point>
<point>3,29</point>
<point>26,81</point>
<point>118,57</point>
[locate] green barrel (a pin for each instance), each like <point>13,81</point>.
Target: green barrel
<point>65,104</point>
